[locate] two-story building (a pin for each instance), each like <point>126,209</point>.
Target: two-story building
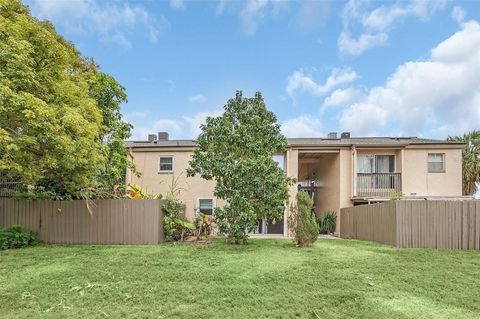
<point>338,171</point>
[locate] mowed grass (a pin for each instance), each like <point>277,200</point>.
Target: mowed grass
<point>265,279</point>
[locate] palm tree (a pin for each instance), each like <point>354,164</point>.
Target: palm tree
<point>471,160</point>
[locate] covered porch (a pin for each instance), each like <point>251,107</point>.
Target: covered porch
<point>319,176</point>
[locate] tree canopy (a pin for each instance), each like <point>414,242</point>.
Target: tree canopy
<point>236,150</point>
<point>470,161</point>
<point>60,124</point>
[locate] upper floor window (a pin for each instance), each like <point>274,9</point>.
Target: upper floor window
<point>436,162</point>
<point>369,163</point>
<point>206,206</point>
<point>165,164</point>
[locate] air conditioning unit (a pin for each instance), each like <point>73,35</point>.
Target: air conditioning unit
<point>152,137</point>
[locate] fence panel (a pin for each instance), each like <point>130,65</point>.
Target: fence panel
<point>416,223</point>
<point>369,222</point>
<point>109,221</point>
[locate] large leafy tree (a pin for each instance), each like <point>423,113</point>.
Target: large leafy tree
<point>236,150</point>
<point>470,161</point>
<point>56,109</point>
<point>109,95</point>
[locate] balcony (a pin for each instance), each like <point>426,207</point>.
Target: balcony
<point>378,184</point>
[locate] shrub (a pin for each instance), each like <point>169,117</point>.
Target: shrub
<point>394,195</point>
<point>136,192</point>
<point>16,237</point>
<point>204,225</point>
<point>328,222</point>
<point>302,222</point>
<point>174,223</point>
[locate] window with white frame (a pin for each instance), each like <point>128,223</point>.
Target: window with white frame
<point>436,162</point>
<point>206,205</point>
<point>165,164</point>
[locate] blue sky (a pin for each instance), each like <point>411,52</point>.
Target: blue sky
<point>407,68</point>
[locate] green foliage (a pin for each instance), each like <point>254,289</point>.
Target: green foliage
<point>136,192</point>
<point>109,95</point>
<point>40,193</point>
<point>470,161</point>
<point>16,237</point>
<point>327,223</point>
<point>203,225</point>
<point>174,223</point>
<point>302,221</point>
<point>60,125</point>
<point>236,150</point>
<point>396,195</point>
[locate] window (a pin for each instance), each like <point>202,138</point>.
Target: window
<point>165,164</point>
<point>376,163</point>
<point>206,206</point>
<point>436,162</point>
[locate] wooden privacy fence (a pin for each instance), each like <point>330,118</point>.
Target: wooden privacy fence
<point>110,221</point>
<point>415,223</point>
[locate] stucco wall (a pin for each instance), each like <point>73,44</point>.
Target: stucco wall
<point>336,170</point>
<point>154,182</point>
<point>416,180</point>
<point>292,171</point>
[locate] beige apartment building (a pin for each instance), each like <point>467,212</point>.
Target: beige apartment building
<point>338,171</point>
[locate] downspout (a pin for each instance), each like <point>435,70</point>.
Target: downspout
<point>354,171</point>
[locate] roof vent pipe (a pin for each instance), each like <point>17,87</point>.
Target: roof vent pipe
<point>332,135</point>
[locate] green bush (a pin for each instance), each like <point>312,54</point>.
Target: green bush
<point>203,225</point>
<point>328,222</point>
<point>16,237</point>
<point>302,221</point>
<point>174,223</point>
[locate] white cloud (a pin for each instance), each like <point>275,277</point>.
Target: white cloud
<point>178,4</point>
<point>437,96</point>
<point>173,127</point>
<point>364,118</point>
<point>351,46</point>
<point>187,127</point>
<point>110,20</point>
<point>251,15</point>
<point>384,16</point>
<point>302,126</point>
<point>195,121</point>
<point>341,97</point>
<point>120,38</point>
<point>458,14</point>
<point>197,98</point>
<point>299,81</point>
<point>375,24</point>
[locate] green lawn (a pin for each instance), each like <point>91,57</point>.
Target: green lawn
<point>265,279</point>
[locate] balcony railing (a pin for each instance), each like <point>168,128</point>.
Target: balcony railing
<point>378,184</point>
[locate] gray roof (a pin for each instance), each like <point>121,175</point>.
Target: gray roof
<point>168,143</point>
<point>368,141</point>
<point>337,142</point>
